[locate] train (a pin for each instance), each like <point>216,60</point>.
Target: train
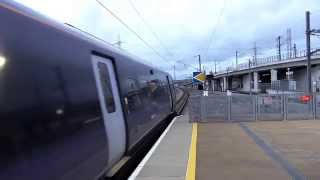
<point>72,106</point>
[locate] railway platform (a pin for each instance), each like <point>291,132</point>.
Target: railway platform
<point>234,151</point>
<point>168,158</point>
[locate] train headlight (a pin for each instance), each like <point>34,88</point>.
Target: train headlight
<point>2,61</point>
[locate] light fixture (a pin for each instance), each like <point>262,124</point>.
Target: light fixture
<point>2,61</point>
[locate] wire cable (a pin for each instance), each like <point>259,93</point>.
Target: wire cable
<point>149,27</point>
<point>155,34</point>
<point>131,30</point>
<point>214,31</point>
<point>186,64</point>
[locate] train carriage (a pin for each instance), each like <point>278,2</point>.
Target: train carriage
<point>72,106</point>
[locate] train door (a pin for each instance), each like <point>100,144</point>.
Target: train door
<point>172,98</point>
<point>111,108</point>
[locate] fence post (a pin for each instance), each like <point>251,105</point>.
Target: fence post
<point>202,108</point>
<point>229,107</point>
<point>256,108</point>
<point>285,107</point>
<point>283,101</point>
<point>194,115</point>
<point>314,108</point>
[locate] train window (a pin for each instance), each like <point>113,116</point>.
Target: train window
<point>106,87</point>
<point>133,97</point>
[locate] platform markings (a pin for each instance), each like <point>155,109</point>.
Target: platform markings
<point>269,151</point>
<point>144,161</point>
<point>192,161</point>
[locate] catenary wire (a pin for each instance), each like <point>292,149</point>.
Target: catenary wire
<point>131,30</point>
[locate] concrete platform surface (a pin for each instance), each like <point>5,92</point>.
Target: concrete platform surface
<point>296,141</point>
<point>225,151</point>
<point>170,159</point>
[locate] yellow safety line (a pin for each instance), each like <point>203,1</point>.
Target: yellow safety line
<point>191,169</point>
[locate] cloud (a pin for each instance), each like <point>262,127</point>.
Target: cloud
<point>185,27</point>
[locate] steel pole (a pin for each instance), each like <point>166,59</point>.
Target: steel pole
<point>308,32</point>
<point>250,78</point>
<point>199,58</point>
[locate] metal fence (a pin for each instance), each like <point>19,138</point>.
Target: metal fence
<point>241,107</point>
<point>268,60</point>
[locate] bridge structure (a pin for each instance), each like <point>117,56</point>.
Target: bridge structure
<point>274,73</point>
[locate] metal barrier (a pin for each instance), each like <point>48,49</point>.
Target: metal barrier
<point>195,108</point>
<point>270,107</point>
<point>298,109</point>
<point>317,106</point>
<point>214,108</point>
<point>241,107</point>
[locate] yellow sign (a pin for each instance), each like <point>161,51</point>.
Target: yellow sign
<point>200,77</point>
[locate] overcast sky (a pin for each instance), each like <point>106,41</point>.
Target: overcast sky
<point>181,29</point>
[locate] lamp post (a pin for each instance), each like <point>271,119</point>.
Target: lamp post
<point>309,32</point>
<point>250,77</point>
<point>199,59</point>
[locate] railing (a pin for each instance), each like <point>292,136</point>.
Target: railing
<point>278,86</point>
<point>238,108</point>
<point>267,60</point>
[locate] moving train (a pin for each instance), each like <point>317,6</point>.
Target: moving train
<point>71,105</point>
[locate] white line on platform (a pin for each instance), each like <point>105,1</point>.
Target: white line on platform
<point>154,147</point>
